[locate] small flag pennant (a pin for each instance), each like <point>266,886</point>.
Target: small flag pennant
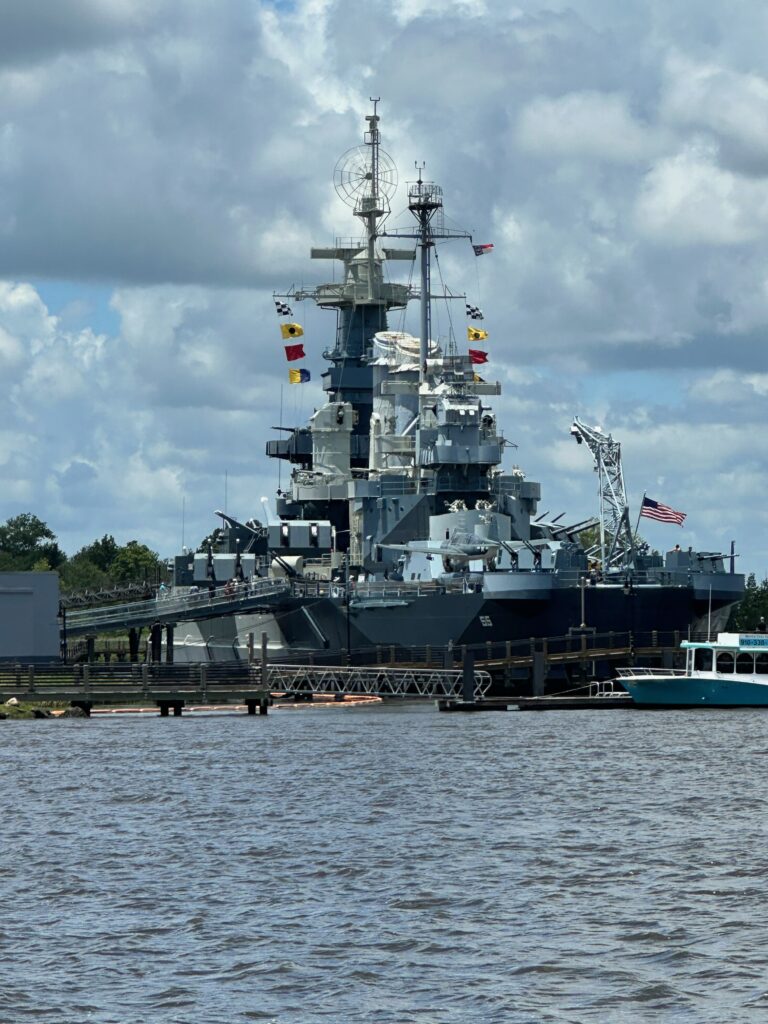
<point>474,312</point>
<point>291,330</point>
<point>481,250</point>
<point>475,334</point>
<point>282,308</point>
<point>476,356</point>
<point>478,379</point>
<point>299,376</point>
<point>293,352</point>
<point>655,510</point>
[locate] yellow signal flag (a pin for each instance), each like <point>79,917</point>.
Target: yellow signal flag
<point>291,330</point>
<point>475,334</point>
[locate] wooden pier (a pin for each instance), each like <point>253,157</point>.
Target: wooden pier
<point>172,687</point>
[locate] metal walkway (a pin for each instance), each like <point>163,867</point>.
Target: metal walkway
<point>170,610</point>
<point>376,681</point>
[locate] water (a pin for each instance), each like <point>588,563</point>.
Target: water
<point>382,865</point>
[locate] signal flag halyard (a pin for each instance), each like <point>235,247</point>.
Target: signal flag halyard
<point>299,376</point>
<point>477,356</point>
<point>476,334</point>
<point>293,352</point>
<point>474,312</point>
<point>655,510</point>
<point>282,308</point>
<point>291,330</point>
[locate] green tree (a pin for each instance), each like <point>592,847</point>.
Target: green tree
<point>752,607</point>
<point>80,573</point>
<point>134,562</point>
<point>26,542</point>
<point>211,541</point>
<point>101,553</point>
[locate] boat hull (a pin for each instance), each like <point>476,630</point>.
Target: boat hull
<point>689,692</point>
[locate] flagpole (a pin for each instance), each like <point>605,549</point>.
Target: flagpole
<point>640,513</point>
<point>280,461</point>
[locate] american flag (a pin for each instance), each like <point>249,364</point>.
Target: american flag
<point>655,510</point>
<point>282,308</point>
<point>481,250</point>
<point>474,312</point>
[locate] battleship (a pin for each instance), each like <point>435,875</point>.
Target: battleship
<point>399,525</point>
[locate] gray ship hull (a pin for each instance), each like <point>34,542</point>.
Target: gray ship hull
<point>326,626</point>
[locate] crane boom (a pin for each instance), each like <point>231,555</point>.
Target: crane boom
<point>616,546</point>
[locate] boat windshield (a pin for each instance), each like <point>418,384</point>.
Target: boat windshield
<point>702,659</point>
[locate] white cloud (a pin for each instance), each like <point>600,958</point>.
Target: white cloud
<point>179,159</point>
<point>590,125</point>
<point>687,199</point>
<point>731,105</point>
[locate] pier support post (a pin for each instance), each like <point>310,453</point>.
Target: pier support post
<point>262,703</point>
<point>468,677</point>
<point>539,673</point>
<point>169,643</point>
<point>264,666</point>
<point>90,649</point>
<point>155,642</point>
<point>133,644</point>
<point>166,705</point>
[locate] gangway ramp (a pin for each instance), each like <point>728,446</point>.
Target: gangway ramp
<point>187,608</point>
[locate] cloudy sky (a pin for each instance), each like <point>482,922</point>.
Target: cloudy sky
<point>166,165</point>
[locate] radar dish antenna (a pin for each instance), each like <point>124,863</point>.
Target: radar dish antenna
<point>359,185</point>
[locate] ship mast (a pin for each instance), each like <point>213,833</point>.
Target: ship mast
<point>370,208</point>
<point>424,200</point>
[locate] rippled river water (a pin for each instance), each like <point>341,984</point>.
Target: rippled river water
<point>385,865</point>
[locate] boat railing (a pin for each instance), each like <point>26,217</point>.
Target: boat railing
<point>628,578</point>
<point>645,670</point>
<point>606,688</point>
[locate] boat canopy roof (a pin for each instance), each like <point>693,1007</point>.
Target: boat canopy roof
<point>732,642</point>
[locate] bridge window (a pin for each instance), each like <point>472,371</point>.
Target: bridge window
<point>702,659</point>
<point>725,663</point>
<point>745,664</point>
<point>761,664</point>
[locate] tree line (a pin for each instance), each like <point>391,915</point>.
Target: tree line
<point>29,544</point>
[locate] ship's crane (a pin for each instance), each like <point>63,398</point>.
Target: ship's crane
<point>616,547</point>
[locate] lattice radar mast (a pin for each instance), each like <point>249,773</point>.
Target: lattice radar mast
<point>616,546</point>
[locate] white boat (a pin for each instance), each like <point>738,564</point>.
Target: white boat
<point>729,672</point>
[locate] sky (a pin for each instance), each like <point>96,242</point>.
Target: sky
<point>165,167</point>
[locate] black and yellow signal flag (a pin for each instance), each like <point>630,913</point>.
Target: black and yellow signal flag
<point>291,330</point>
<point>299,376</point>
<point>475,334</point>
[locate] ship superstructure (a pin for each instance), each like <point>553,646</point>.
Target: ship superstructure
<point>399,512</point>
